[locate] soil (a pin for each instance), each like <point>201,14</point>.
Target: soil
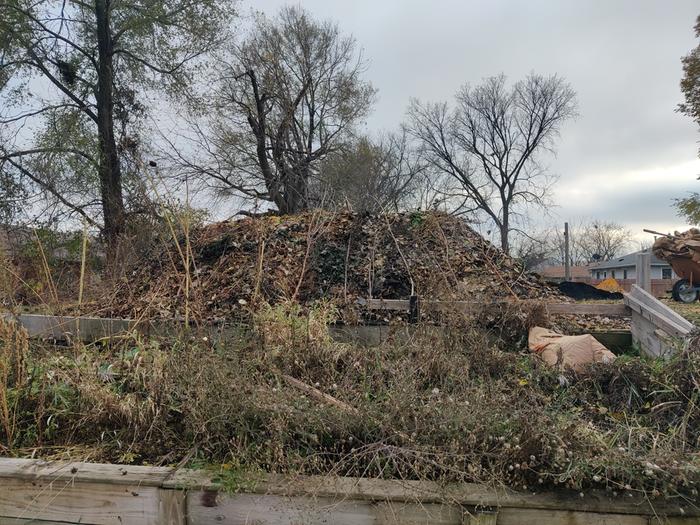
<point>581,291</point>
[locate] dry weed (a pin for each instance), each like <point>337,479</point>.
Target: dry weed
<point>14,347</point>
<point>445,406</point>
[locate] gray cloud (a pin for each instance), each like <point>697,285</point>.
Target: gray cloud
<point>621,56</point>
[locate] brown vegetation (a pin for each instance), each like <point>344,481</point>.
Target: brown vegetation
<point>447,406</point>
<point>342,257</point>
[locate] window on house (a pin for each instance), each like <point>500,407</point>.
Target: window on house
<point>624,274</point>
<point>665,273</point>
<point>605,275</point>
<point>613,274</point>
<point>597,275</point>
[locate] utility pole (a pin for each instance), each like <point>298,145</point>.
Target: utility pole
<point>567,259</point>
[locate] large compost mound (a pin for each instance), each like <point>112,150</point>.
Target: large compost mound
<point>342,257</point>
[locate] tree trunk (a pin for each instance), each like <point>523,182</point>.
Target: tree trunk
<point>297,193</point>
<point>109,168</point>
<point>505,231</point>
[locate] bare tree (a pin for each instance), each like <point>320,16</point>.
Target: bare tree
<point>556,240</point>
<point>491,142</point>
<point>600,240</point>
<point>85,62</point>
<point>533,251</point>
<point>589,241</point>
<point>370,175</point>
<point>290,97</point>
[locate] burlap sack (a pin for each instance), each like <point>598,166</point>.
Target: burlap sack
<point>567,351</point>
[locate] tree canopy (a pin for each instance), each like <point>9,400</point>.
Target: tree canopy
<point>73,82</point>
<point>690,83</point>
<point>689,207</point>
<point>291,94</point>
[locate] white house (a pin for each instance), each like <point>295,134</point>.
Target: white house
<point>625,267</point>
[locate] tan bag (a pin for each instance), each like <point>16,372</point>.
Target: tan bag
<point>567,351</point>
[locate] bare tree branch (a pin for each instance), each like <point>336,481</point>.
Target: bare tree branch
<point>489,142</point>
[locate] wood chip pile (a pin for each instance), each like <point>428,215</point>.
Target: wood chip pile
<point>680,244</point>
<point>341,257</point>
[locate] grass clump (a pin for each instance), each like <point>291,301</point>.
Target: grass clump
<point>445,406</point>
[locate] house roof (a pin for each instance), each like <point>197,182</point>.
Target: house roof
<point>626,261</point>
<point>558,272</point>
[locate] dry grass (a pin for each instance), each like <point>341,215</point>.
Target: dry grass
<point>14,347</point>
<point>447,406</point>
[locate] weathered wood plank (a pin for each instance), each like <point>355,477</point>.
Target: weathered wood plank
<point>650,340</point>
<point>554,517</point>
<point>30,521</point>
<point>480,518</point>
<point>205,508</point>
<point>85,503</point>
<point>388,304</point>
<point>653,304</point>
<point>100,494</point>
<point>468,495</point>
<point>172,507</point>
<point>643,270</point>
<point>609,309</point>
<point>653,323</point>
<point>658,320</point>
<point>64,327</point>
<point>75,472</point>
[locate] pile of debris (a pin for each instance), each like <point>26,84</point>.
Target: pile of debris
<point>680,244</point>
<point>340,257</point>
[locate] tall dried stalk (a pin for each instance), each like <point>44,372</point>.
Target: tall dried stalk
<point>398,249</point>
<point>47,270</point>
<point>316,225</point>
<point>258,277</point>
<point>83,259</point>
<point>186,257</point>
<point>14,347</point>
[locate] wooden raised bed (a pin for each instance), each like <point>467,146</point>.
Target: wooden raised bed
<point>653,323</point>
<point>43,493</point>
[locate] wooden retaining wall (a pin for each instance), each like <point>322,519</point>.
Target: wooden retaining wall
<point>48,493</point>
<point>653,323</point>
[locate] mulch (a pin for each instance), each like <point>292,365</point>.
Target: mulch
<point>340,257</point>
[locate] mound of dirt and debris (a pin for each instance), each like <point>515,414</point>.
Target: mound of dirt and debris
<point>344,257</point>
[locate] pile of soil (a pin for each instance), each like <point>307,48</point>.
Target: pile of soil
<point>581,291</point>
<point>341,257</point>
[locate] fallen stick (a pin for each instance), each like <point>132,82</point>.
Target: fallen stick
<point>321,396</point>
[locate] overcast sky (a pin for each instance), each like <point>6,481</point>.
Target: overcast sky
<point>627,155</point>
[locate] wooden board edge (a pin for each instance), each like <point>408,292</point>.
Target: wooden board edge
<point>465,495</point>
<point>471,495</point>
<point>81,472</point>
